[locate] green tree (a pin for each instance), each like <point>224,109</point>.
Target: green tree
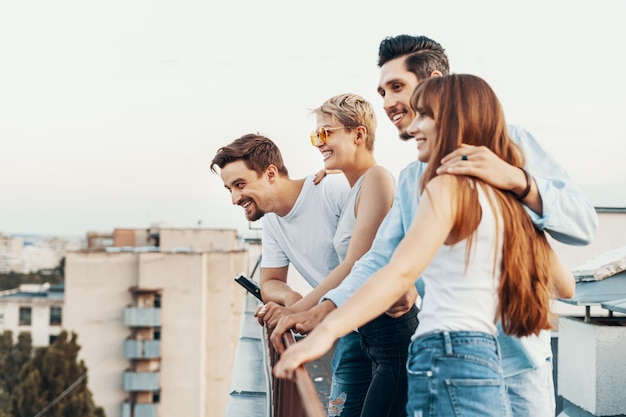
<point>54,383</point>
<point>12,359</point>
<point>6,342</point>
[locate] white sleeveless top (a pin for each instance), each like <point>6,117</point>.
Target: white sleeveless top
<point>457,299</point>
<point>341,241</point>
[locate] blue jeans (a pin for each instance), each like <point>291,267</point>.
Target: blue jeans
<point>386,342</point>
<point>531,393</point>
<point>454,374</point>
<point>352,374</point>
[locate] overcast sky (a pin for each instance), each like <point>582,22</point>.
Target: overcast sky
<point>110,112</point>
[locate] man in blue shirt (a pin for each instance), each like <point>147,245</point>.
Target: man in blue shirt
<point>553,201</point>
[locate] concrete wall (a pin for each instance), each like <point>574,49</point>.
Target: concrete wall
<point>96,293</point>
<point>592,365</point>
<point>131,237</point>
<point>202,240</point>
<point>223,312</point>
<point>182,280</point>
<point>201,309</point>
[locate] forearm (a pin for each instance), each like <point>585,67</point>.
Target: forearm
<point>564,284</point>
<point>387,238</point>
<point>362,270</point>
<point>568,216</point>
<point>331,281</point>
<point>279,292</point>
<point>371,300</point>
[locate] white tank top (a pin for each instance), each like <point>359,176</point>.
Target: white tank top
<point>457,299</point>
<point>341,241</point>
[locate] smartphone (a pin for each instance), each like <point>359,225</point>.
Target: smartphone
<point>250,285</point>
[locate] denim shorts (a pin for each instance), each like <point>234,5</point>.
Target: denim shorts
<point>454,374</point>
<point>531,393</point>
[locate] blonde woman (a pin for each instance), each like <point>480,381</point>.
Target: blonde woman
<point>365,382</point>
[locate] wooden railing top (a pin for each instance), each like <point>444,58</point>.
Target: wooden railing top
<point>297,397</point>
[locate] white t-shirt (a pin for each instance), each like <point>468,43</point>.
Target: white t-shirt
<point>304,236</point>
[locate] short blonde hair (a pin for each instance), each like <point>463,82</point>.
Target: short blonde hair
<point>351,110</point>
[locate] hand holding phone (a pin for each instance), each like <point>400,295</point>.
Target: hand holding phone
<point>250,285</point>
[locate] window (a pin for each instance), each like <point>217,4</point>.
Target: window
<point>55,316</point>
<point>157,301</point>
<point>25,316</point>
<point>52,338</point>
<point>157,333</point>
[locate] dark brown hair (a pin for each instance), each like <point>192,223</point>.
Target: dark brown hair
<point>257,152</point>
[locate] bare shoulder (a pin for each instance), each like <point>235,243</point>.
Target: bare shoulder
<point>443,186</point>
<point>378,176</point>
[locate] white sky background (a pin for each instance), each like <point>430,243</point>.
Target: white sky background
<point>110,112</point>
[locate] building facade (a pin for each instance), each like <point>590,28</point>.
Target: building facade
<point>157,323</point>
<point>33,308</point>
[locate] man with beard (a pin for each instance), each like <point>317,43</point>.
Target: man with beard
<point>299,223</point>
<point>299,219</point>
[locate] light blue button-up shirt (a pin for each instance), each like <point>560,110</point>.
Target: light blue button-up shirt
<point>567,216</point>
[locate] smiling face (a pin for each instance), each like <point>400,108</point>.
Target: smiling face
<point>424,129</point>
<point>247,189</point>
<point>395,87</point>
<point>340,147</point>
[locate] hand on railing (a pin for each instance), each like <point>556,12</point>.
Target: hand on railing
<point>269,314</point>
<point>302,323</point>
<point>306,401</point>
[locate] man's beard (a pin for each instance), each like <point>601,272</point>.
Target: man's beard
<point>405,136</point>
<point>255,215</point>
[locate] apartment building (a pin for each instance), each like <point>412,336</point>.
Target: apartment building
<point>25,254</point>
<point>33,308</point>
<point>10,253</point>
<point>157,315</point>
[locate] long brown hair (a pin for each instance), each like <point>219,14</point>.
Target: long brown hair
<point>466,110</point>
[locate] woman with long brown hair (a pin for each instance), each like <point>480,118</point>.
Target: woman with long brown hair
<point>481,259</point>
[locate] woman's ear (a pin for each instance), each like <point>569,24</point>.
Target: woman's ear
<point>361,134</point>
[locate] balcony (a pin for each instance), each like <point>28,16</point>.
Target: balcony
<point>139,410</point>
<point>142,317</point>
<point>140,381</point>
<point>142,349</point>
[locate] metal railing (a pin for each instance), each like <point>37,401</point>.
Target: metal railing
<point>254,390</point>
<point>284,398</point>
<point>294,398</point>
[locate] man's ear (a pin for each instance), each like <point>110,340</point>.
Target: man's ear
<point>436,73</point>
<point>271,172</point>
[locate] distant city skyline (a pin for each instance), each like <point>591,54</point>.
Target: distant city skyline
<point>112,113</point>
